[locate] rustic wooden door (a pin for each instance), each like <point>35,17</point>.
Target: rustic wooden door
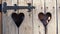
<point>45,6</point>
<point>31,23</point>
<point>9,26</point>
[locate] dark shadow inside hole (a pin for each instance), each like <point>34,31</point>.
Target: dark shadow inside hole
<point>45,18</point>
<point>49,16</point>
<point>0,7</point>
<point>41,15</point>
<point>18,18</point>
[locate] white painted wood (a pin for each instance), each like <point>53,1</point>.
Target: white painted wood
<point>38,26</point>
<point>51,4</point>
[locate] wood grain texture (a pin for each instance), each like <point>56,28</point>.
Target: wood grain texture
<point>31,23</point>
<point>26,26</point>
<point>9,27</point>
<point>51,4</point>
<point>38,26</point>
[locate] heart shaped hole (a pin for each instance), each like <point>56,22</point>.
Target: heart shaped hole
<point>18,18</point>
<point>44,18</point>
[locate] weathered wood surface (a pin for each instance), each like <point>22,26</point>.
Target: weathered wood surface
<point>26,27</point>
<point>9,27</point>
<point>38,26</point>
<point>31,23</point>
<point>51,4</point>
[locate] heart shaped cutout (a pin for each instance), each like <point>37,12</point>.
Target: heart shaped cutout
<point>18,18</point>
<point>44,18</point>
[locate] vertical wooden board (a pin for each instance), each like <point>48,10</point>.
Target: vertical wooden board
<point>51,4</point>
<point>9,26</point>
<point>38,26</point>
<point>26,26</point>
<point>58,14</point>
<point>0,19</point>
<point>0,23</point>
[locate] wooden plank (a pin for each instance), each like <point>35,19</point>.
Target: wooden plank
<point>58,14</point>
<point>51,4</point>
<point>0,19</point>
<point>38,26</point>
<point>0,23</point>
<point>9,27</point>
<point>26,26</point>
